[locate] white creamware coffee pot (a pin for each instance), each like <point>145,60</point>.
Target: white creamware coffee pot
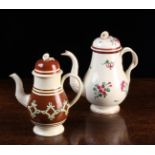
<point>106,84</point>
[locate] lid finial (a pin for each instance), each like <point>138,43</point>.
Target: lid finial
<point>46,56</point>
<point>104,35</point>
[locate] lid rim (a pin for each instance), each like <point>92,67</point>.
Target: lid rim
<point>101,52</point>
<point>46,74</point>
<point>46,71</point>
<point>109,50</point>
<point>106,42</point>
<point>46,65</point>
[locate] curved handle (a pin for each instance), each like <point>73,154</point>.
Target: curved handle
<point>80,87</point>
<point>134,62</point>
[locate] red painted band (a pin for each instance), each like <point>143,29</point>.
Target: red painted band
<point>107,52</point>
<point>47,93</point>
<point>106,49</point>
<point>46,73</point>
<point>48,89</point>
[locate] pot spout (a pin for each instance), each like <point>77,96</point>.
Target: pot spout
<point>74,70</point>
<point>19,92</point>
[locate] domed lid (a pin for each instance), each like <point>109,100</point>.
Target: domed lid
<point>106,43</point>
<point>47,65</point>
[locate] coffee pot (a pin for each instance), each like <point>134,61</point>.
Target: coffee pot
<point>47,104</point>
<point>106,84</point>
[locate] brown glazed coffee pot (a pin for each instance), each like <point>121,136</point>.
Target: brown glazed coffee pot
<point>47,104</point>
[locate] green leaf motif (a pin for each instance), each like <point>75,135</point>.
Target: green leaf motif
<point>103,83</point>
<point>94,89</point>
<point>108,89</point>
<point>100,95</point>
<point>107,61</point>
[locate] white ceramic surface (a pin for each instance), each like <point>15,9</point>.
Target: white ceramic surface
<point>106,43</point>
<point>106,84</point>
<point>48,131</point>
<point>49,82</point>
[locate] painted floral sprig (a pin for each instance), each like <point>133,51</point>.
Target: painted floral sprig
<point>124,86</point>
<point>109,64</point>
<point>102,90</point>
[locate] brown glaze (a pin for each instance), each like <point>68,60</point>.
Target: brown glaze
<point>42,102</point>
<point>48,65</point>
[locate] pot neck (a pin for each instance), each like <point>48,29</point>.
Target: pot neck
<point>98,59</point>
<point>47,83</point>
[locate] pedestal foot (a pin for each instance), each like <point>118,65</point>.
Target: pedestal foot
<point>48,131</point>
<point>104,109</point>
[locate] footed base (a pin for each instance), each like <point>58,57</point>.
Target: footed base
<point>104,109</point>
<point>48,131</point>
